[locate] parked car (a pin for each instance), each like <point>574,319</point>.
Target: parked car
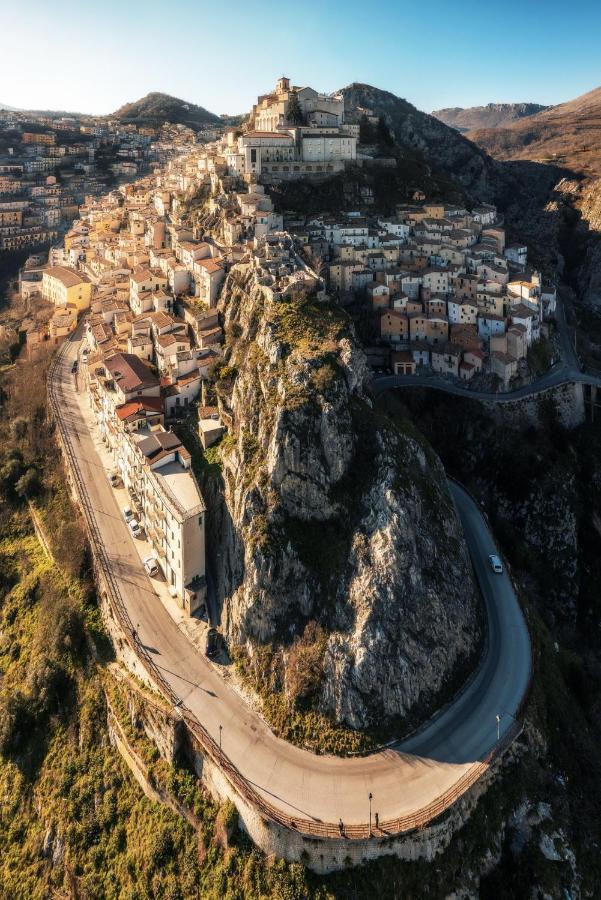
<point>115,479</point>
<point>128,515</point>
<point>135,528</point>
<point>495,563</point>
<point>74,367</point>
<point>151,566</point>
<point>213,644</point>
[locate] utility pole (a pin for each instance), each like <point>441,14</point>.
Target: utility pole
<point>370,799</point>
<point>220,730</point>
<point>498,727</point>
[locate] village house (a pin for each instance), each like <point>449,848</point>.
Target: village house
<point>394,326</point>
<point>63,286</point>
<point>446,358</point>
<point>402,363</point>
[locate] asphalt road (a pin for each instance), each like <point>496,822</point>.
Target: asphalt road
<point>404,778</point>
<point>556,377</point>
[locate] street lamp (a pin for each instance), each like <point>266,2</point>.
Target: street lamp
<point>370,799</point>
<point>498,727</point>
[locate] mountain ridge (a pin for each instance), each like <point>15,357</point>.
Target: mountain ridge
<point>568,134</point>
<point>465,119</point>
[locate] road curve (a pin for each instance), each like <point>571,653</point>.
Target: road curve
<point>554,378</point>
<point>405,778</point>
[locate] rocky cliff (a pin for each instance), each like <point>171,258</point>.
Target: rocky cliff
<point>341,547</point>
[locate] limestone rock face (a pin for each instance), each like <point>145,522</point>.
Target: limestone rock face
<point>333,515</point>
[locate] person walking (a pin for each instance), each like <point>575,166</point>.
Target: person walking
<point>377,821</point>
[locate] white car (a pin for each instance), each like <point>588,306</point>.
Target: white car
<point>128,514</point>
<point>495,564</point>
<point>135,527</point>
<point>151,566</point>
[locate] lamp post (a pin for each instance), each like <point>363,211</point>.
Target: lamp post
<point>370,799</point>
<point>220,730</point>
<point>498,727</point>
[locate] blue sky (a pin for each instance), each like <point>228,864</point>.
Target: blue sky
<point>435,53</point>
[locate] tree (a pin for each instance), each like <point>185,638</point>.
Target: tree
<point>20,427</point>
<point>367,132</point>
<point>28,484</point>
<point>384,136</point>
<point>295,114</point>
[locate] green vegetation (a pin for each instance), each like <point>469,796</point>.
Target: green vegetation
<point>287,710</point>
<point>73,822</point>
<point>205,463</point>
<point>540,356</point>
<point>306,324</point>
<point>155,109</point>
<point>295,114</point>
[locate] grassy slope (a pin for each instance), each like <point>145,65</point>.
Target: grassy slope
<point>72,820</point>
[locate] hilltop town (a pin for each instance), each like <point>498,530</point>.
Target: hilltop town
<point>50,163</point>
<point>144,265</point>
<point>302,503</point>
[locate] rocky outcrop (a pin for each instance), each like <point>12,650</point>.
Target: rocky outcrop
<point>333,517</point>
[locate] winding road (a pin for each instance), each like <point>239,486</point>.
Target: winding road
<point>405,778</point>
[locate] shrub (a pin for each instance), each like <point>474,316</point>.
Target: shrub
<point>61,629</point>
<point>304,670</point>
<point>10,473</point>
<point>28,484</point>
<point>161,847</point>
<point>15,723</point>
<point>48,685</point>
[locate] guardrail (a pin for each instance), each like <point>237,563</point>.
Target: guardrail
<point>311,827</point>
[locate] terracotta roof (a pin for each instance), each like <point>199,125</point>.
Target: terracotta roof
<point>129,372</point>
<point>149,404</point>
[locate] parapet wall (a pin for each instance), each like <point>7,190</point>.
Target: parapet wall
<point>568,400</point>
<point>319,854</point>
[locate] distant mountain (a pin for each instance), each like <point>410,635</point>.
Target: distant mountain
<point>568,134</point>
<point>490,116</point>
<point>8,108</point>
<point>154,109</point>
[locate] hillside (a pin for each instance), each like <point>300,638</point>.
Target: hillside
<point>420,133</point>
<point>568,134</point>
<point>490,116</point>
<point>155,108</point>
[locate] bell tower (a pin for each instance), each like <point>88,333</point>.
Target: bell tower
<point>282,85</point>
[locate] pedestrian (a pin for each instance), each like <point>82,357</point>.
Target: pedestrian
<point>341,828</point>
<point>377,821</point>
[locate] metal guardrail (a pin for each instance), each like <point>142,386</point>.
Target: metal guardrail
<point>311,827</point>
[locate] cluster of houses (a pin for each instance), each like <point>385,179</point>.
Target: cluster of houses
<point>50,164</point>
<point>446,290</point>
<point>146,274</point>
<point>147,285</point>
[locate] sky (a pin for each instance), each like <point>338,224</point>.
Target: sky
<point>93,58</point>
